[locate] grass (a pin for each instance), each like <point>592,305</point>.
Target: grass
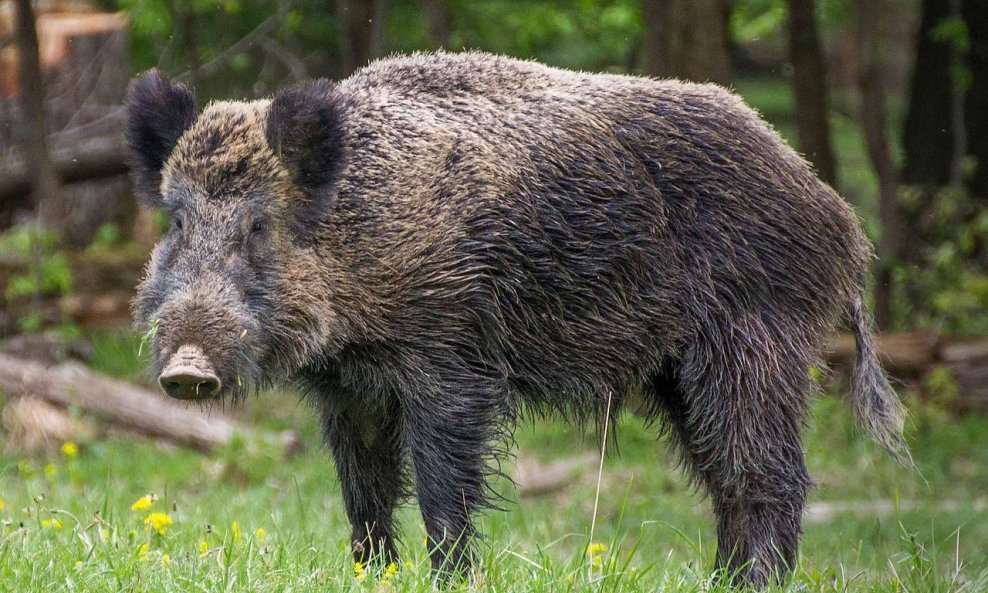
<point>246,518</point>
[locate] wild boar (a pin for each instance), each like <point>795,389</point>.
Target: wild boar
<point>442,240</point>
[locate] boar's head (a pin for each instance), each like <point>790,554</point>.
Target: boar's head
<point>235,294</point>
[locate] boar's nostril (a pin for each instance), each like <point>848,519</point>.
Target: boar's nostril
<point>188,375</point>
<point>189,386</point>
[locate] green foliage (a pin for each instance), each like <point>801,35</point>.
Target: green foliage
<point>764,21</point>
<point>22,239</point>
<point>946,286</point>
<point>148,337</point>
<point>48,272</point>
<point>107,238</point>
<point>589,35</point>
<point>183,37</point>
<point>758,20</point>
<point>954,30</point>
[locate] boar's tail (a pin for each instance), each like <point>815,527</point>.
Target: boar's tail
<point>877,408</point>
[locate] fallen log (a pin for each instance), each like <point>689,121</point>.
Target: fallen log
<point>95,158</point>
<point>909,357</point>
<point>535,479</point>
<point>72,385</point>
<point>904,355</point>
<point>34,424</point>
<point>967,361</point>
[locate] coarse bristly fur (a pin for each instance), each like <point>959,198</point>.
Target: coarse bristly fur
<point>443,241</point>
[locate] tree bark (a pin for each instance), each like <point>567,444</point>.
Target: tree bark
<point>810,89</point>
<point>872,116</point>
<point>687,39</point>
<point>362,25</point>
<point>34,124</point>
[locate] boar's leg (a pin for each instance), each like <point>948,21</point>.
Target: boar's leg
<point>452,439</point>
<point>365,441</point>
<point>736,402</point>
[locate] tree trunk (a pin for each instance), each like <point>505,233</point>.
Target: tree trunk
<point>34,123</point>
<point>810,89</point>
<point>946,125</point>
<point>687,39</point>
<point>362,24</point>
<point>975,14</point>
<point>927,137</point>
<point>186,20</point>
<point>872,116</point>
<point>437,20</point>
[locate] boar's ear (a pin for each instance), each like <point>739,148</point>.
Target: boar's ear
<point>158,113</point>
<point>305,130</point>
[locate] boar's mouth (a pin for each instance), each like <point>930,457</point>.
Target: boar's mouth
<point>204,350</point>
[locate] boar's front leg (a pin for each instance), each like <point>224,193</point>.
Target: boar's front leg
<point>452,438</point>
<point>366,445</point>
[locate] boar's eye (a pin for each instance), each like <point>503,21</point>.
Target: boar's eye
<point>258,227</point>
<point>177,222</point>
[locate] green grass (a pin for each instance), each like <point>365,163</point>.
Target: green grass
<point>658,532</point>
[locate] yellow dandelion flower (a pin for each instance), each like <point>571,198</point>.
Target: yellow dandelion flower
<point>203,548</point>
<point>78,564</point>
<point>104,533</point>
<point>359,571</point>
<point>596,548</point>
<point>142,552</point>
<point>166,560</point>
<point>70,449</point>
<point>2,504</point>
<point>52,523</point>
<point>259,533</point>
<point>390,571</point>
<point>158,522</point>
<point>235,531</point>
<point>50,470</point>
<point>143,502</point>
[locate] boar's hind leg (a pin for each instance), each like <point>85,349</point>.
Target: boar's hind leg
<point>452,441</point>
<point>736,408</point>
<point>366,448</point>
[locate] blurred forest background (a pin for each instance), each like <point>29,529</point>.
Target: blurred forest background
<point>887,98</point>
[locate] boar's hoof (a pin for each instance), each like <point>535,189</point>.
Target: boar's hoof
<point>188,375</point>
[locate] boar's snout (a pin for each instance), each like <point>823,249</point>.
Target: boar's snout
<point>188,374</point>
